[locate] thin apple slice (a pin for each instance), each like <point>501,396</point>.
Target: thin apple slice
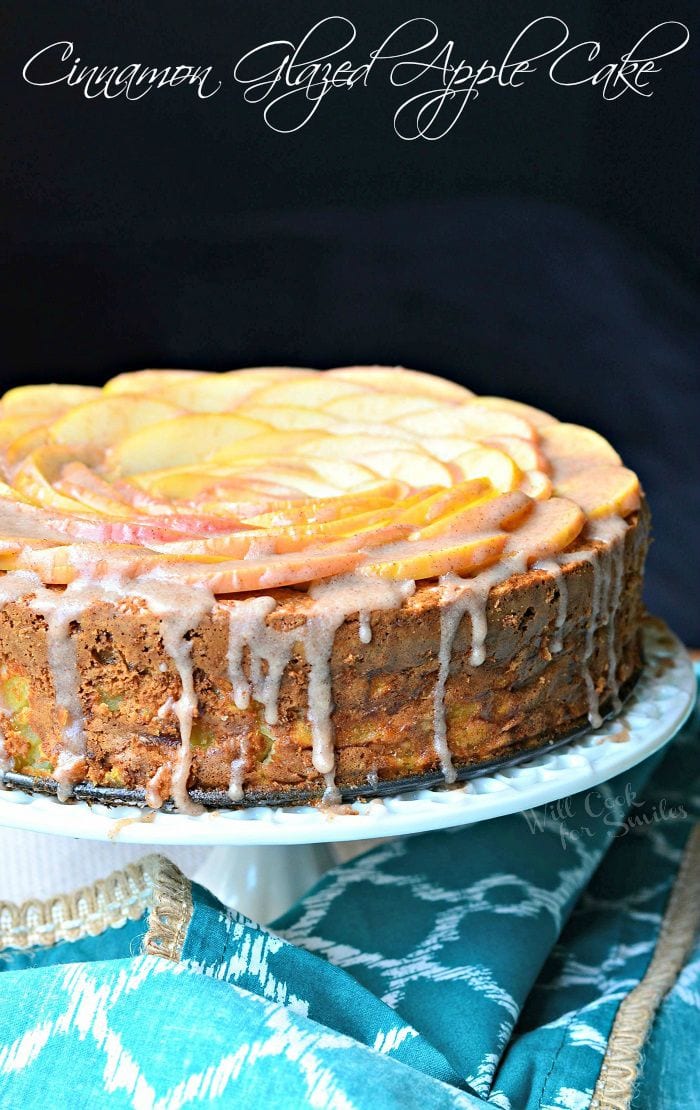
<point>435,503</point>
<point>603,490</point>
<point>525,453</point>
<point>508,510</point>
<point>487,462</point>
<point>537,485</point>
<point>551,526</point>
<point>80,482</point>
<point>398,379</point>
<point>21,447</point>
<point>46,398</point>
<point>416,468</point>
<point>315,391</point>
<point>213,392</point>
<point>419,559</point>
<point>351,447</point>
<point>444,448</point>
<point>378,496</point>
<point>148,381</point>
<point>268,374</point>
<point>35,476</point>
<point>380,407</point>
<point>273,444</point>
<point>15,427</point>
<point>571,448</point>
<point>105,421</point>
<point>311,477</point>
<point>535,417</point>
<point>289,418</point>
<point>61,565</point>
<point>468,420</point>
<point>344,473</point>
<point>180,442</point>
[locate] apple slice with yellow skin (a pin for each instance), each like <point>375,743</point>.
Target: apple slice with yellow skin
<point>416,468</point>
<point>181,441</point>
<point>312,477</point>
<point>212,393</point>
<point>535,417</point>
<point>380,407</point>
<point>272,445</point>
<point>487,462</point>
<point>537,485</point>
<point>35,476</point>
<point>105,421</point>
<point>398,379</point>
<point>428,506</point>
<point>46,399</point>
<point>149,381</point>
<point>21,447</point>
<point>550,527</point>
<point>288,418</point>
<point>420,559</point>
<point>315,391</point>
<point>268,374</point>
<point>602,491</point>
<point>366,530</point>
<point>378,496</point>
<point>571,448</point>
<point>507,510</point>
<point>15,427</point>
<point>445,448</point>
<point>525,453</point>
<point>351,447</point>
<point>467,420</point>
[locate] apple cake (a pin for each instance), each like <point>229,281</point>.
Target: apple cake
<point>281,585</point>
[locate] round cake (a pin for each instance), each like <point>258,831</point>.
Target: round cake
<point>278,585</point>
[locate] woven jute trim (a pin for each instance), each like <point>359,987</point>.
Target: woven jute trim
<point>620,1068</point>
<point>170,911</point>
<point>108,903</point>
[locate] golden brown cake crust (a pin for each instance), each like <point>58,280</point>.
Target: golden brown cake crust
<point>523,696</point>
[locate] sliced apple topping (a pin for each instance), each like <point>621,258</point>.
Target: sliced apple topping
<point>279,476</point>
<point>571,448</point>
<point>603,490</point>
<point>431,558</point>
<point>186,439</point>
<point>550,527</point>
<point>107,420</point>
<point>399,380</point>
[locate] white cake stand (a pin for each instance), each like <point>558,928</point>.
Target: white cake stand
<point>263,858</point>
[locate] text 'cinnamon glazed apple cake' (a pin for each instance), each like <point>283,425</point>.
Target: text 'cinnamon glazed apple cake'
<point>282,584</point>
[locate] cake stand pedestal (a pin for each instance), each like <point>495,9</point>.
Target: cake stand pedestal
<point>264,858</point>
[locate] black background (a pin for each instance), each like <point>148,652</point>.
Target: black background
<point>546,249</point>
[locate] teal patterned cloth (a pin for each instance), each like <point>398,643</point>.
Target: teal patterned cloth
<point>484,965</point>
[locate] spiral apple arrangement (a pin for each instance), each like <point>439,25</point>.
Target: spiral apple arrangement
<point>270,477</point>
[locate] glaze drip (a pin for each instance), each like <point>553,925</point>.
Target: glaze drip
<point>607,568</point>
<point>460,596</point>
<point>553,568</point>
<point>333,601</point>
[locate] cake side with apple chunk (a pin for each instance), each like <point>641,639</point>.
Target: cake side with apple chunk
<point>284,584</point>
